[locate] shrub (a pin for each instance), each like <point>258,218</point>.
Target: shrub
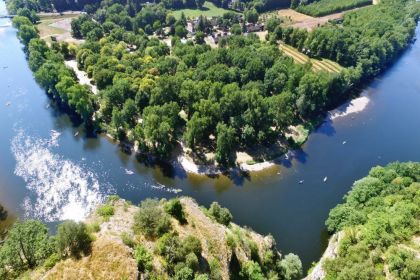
<point>220,214</point>
<point>174,208</point>
<point>201,277</point>
<point>252,271</point>
<point>192,262</point>
<point>127,240</point>
<point>191,244</point>
<point>51,261</point>
<point>184,273</point>
<point>72,239</point>
<point>93,227</point>
<point>291,267</point>
<point>105,210</point>
<point>143,258</point>
<point>151,220</point>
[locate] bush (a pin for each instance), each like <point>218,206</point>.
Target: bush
<point>192,262</point>
<point>174,208</point>
<point>143,258</point>
<point>72,239</point>
<point>93,227</point>
<point>291,267</point>
<point>252,271</point>
<point>51,261</point>
<point>127,240</point>
<point>184,273</point>
<point>220,214</point>
<point>151,220</point>
<point>191,244</point>
<point>105,210</point>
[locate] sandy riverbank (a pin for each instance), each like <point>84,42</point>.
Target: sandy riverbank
<point>354,106</point>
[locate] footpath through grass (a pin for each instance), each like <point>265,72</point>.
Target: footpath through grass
<point>208,10</point>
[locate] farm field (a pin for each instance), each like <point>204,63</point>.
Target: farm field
<point>317,65</point>
<point>208,10</point>
<point>326,7</point>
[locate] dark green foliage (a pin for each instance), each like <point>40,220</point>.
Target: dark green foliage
<point>144,258</point>
<point>174,208</point>
<point>379,213</point>
<point>151,220</point>
<point>27,245</point>
<point>220,214</point>
<point>73,239</point>
<point>180,255</point>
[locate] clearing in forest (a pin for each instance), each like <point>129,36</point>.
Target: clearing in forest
<point>299,20</point>
<point>317,65</point>
<point>208,10</point>
<point>56,25</point>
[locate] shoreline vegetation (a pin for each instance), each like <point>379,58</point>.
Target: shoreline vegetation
<point>230,106</point>
<point>159,239</point>
<point>376,229</point>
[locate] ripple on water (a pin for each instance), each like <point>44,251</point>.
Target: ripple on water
<point>59,188</point>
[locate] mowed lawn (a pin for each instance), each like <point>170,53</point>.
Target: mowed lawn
<point>208,10</point>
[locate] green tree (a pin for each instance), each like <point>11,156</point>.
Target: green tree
<point>226,141</point>
<point>73,239</point>
<point>27,245</point>
<point>252,271</point>
<point>220,214</point>
<point>251,16</point>
<point>151,220</point>
<point>291,267</point>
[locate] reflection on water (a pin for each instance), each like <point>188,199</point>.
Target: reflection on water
<point>59,189</point>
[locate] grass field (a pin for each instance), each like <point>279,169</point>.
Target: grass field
<point>56,25</point>
<point>317,65</point>
<point>208,10</point>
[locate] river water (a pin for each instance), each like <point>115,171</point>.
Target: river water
<point>49,169</point>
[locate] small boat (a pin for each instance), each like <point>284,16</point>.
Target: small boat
<point>344,142</point>
<point>76,134</point>
<point>301,181</point>
<point>325,179</point>
<point>128,172</point>
<point>8,103</point>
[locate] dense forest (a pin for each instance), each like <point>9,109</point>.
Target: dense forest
<point>167,239</point>
<point>380,220</point>
<point>136,5</point>
<point>326,7</point>
<point>243,94</point>
<point>367,40</point>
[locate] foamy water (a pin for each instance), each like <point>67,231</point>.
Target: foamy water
<point>59,188</point>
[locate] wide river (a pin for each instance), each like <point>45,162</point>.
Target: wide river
<point>51,172</point>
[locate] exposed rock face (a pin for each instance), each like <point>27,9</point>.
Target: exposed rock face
<point>331,252</point>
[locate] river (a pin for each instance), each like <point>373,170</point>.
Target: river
<point>49,169</point>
